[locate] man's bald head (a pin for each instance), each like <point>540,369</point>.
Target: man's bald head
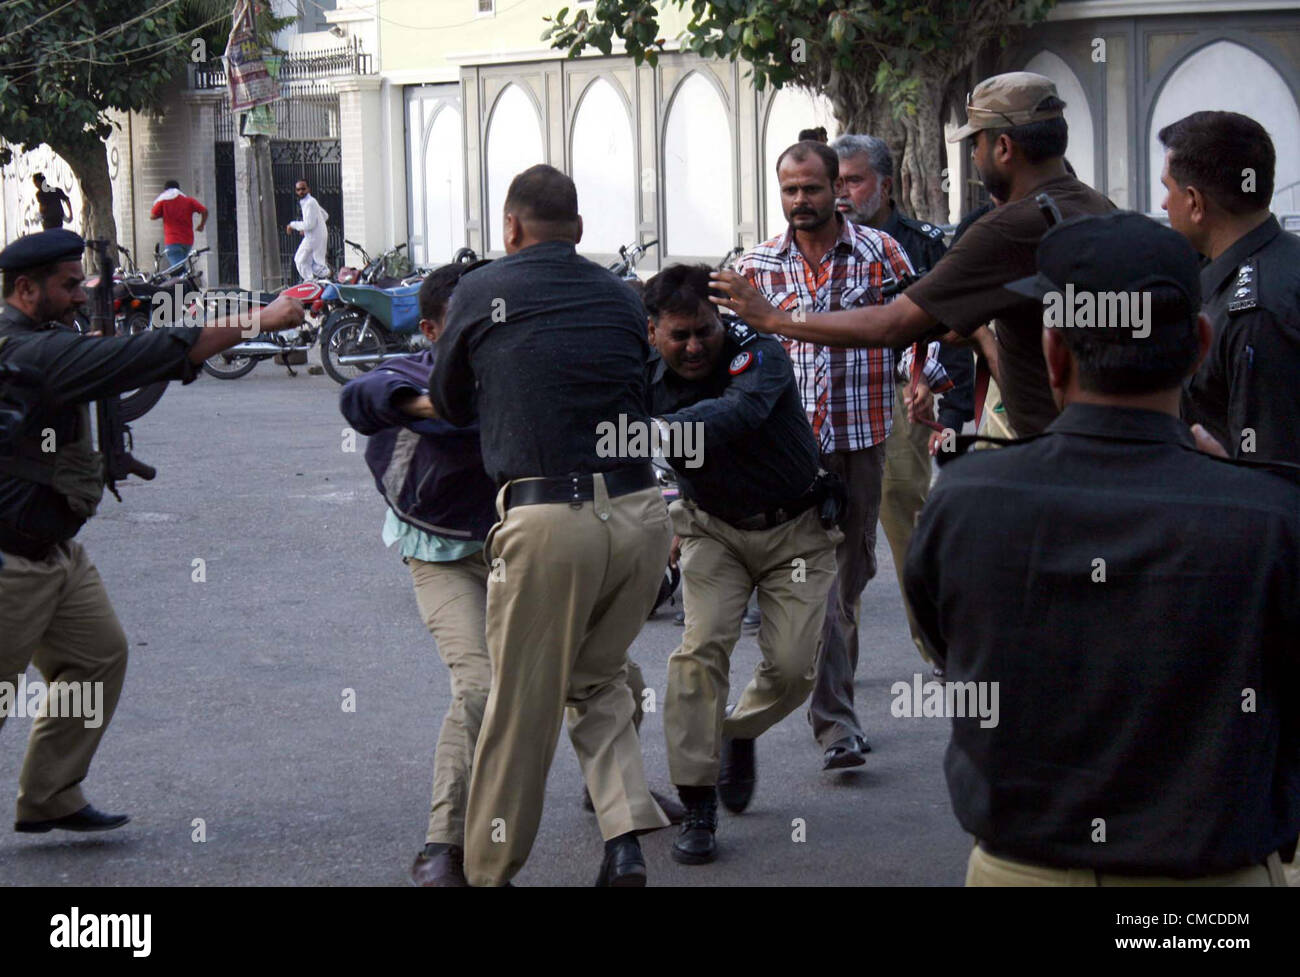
<point>544,203</point>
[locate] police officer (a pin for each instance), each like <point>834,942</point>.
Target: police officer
<point>751,516</point>
<point>1121,652</point>
<point>1218,177</point>
<point>549,350</point>
<point>54,611</point>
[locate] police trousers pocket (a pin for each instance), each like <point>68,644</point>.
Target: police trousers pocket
<point>79,478</point>
<point>684,516</point>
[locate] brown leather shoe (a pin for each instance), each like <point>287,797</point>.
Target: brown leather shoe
<point>440,866</point>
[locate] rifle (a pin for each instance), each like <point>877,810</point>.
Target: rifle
<point>115,443</point>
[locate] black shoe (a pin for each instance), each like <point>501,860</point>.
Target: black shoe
<point>843,753</point>
<point>696,844</point>
<point>624,865</point>
<point>440,866</point>
<point>749,624</point>
<point>674,811</point>
<point>87,819</point>
<point>736,778</point>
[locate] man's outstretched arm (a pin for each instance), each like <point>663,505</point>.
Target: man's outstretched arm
<point>896,324</point>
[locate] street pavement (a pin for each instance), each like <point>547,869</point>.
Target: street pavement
<point>231,727</point>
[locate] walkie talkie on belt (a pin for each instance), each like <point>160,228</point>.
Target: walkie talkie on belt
<point>114,434</point>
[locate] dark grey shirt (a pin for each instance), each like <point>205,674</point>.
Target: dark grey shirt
<point>74,369</point>
<point>544,347</point>
<point>759,452</point>
<point>1250,379</point>
<point>1160,700</point>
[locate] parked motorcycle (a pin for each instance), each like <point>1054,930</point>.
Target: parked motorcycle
<point>628,256</point>
<point>371,325</point>
<point>290,346</point>
<point>138,296</point>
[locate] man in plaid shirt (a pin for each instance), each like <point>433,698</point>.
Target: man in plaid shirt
<point>822,263</point>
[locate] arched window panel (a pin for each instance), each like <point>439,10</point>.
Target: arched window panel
<point>514,143</point>
<point>1078,113</point>
<point>1225,76</point>
<point>604,170</point>
<point>444,187</point>
<point>791,110</point>
<point>698,180</point>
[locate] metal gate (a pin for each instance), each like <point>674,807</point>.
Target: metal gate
<point>306,146</point>
<point>320,163</point>
<point>227,216</point>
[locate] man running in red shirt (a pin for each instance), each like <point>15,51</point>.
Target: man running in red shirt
<point>175,210</point>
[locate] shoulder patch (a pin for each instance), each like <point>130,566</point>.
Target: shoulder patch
<point>741,332</point>
<point>932,231</point>
<point>740,363</point>
<point>1245,290</point>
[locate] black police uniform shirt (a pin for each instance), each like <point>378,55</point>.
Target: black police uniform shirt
<point>924,245</point>
<point>965,290</point>
<point>759,452</point>
<point>544,347</point>
<point>74,369</point>
<point>1250,379</point>
<point>1138,606</point>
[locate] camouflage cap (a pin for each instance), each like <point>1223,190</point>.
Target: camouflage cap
<point>1007,100</point>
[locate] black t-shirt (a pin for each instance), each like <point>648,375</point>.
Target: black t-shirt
<point>965,290</point>
<point>50,200</point>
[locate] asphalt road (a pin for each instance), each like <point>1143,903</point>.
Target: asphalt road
<point>232,711</point>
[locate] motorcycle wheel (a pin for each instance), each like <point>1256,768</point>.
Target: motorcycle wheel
<point>134,324</point>
<point>223,366</point>
<point>138,402</point>
<point>339,338</point>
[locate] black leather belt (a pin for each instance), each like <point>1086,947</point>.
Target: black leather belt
<point>775,517</point>
<point>577,489</point>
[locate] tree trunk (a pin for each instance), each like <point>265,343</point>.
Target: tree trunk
<point>925,160</point>
<point>88,159</point>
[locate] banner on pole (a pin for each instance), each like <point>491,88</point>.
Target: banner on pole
<point>250,83</point>
<point>261,120</point>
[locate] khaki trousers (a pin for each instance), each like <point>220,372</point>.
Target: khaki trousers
<point>55,614</point>
<point>903,491</point>
<point>830,711</point>
<point>573,587</point>
<point>792,566</point>
<point>993,421</point>
<point>452,597</point>
<point>985,869</point>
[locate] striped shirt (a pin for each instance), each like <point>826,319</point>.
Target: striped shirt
<point>848,393</point>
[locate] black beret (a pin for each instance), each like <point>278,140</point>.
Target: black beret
<point>47,247</point>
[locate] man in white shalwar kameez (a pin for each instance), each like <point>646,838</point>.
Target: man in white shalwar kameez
<point>310,256</point>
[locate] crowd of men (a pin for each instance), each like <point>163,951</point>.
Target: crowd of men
<point>1130,583</point>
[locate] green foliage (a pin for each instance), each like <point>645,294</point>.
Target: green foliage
<point>63,65</point>
<point>805,42</point>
